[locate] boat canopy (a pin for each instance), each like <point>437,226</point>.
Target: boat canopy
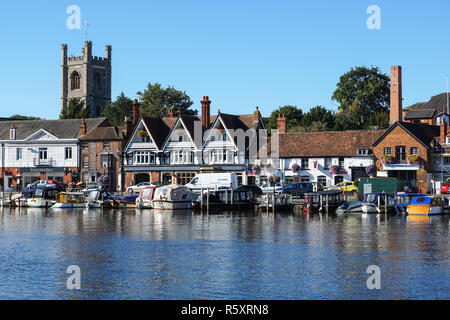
<point>173,192</point>
<point>147,193</point>
<point>421,200</point>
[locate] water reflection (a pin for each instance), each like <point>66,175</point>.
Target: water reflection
<point>132,254</point>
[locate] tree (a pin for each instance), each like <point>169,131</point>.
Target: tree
<point>21,117</point>
<point>156,101</point>
<point>367,87</point>
<point>379,119</point>
<point>116,111</point>
<point>75,110</point>
<point>314,126</point>
<point>318,114</point>
<point>292,113</point>
<point>349,119</point>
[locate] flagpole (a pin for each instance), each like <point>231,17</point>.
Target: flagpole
<point>85,30</point>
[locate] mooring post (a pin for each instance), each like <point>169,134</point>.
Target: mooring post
<point>226,196</point>
<point>379,204</point>
<point>273,202</point>
<point>232,197</point>
<point>385,203</point>
<point>207,200</point>
<point>327,203</point>
<point>201,199</point>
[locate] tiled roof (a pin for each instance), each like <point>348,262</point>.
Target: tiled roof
<point>438,102</point>
<point>326,143</point>
<point>104,132</point>
<point>420,114</point>
<point>62,129</point>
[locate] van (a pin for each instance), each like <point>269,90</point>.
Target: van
<point>214,181</point>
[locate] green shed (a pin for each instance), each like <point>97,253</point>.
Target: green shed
<point>369,185</point>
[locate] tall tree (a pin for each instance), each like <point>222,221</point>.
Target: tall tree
<point>75,110</point>
<point>292,113</point>
<point>318,114</point>
<point>366,89</point>
<point>156,101</point>
<point>21,117</point>
<point>116,111</point>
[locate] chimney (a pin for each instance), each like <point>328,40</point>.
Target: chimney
<point>256,115</point>
<point>135,112</point>
<point>83,129</point>
<point>206,116</point>
<point>443,134</point>
<point>281,124</point>
<point>127,127</point>
<point>170,113</point>
<point>396,94</point>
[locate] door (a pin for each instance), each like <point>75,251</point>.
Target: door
<point>400,154</point>
<point>338,179</point>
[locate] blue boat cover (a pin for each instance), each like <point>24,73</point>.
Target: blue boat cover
<point>420,200</point>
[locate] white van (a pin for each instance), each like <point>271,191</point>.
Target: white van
<point>214,181</point>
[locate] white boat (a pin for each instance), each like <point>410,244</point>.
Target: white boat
<point>102,199</point>
<point>43,197</point>
<point>69,200</point>
<point>144,200</point>
<point>173,197</point>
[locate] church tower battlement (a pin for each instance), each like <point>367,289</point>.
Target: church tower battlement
<point>87,77</point>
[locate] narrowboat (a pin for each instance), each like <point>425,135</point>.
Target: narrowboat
<point>402,200</point>
<point>68,200</point>
<point>145,197</point>
<point>283,202</point>
<point>43,197</point>
<point>244,197</point>
<point>316,202</point>
<point>425,205</point>
<point>174,197</point>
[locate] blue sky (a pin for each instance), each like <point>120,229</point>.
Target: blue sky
<point>241,54</point>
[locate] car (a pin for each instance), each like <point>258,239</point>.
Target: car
<point>37,184</point>
<point>138,187</point>
<point>90,188</point>
<point>269,187</point>
<point>445,186</point>
<point>346,186</point>
<point>298,188</point>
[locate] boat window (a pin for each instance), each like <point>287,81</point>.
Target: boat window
<point>420,199</point>
<point>184,196</point>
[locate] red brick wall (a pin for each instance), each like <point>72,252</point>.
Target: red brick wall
<point>399,137</point>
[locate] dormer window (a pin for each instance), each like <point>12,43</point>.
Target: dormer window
<point>363,152</point>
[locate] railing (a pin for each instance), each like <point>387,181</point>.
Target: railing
<point>42,162</point>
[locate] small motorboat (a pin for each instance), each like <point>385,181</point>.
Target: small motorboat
<point>375,203</point>
<point>102,199</point>
<point>402,200</point>
<point>145,197</point>
<point>68,200</point>
<point>128,201</point>
<point>174,197</point>
<point>350,207</point>
<point>43,197</point>
<point>425,205</point>
<point>22,201</point>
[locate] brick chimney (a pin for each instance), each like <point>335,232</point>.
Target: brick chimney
<point>281,124</point>
<point>396,94</point>
<point>256,115</point>
<point>127,127</point>
<point>443,134</point>
<point>170,113</point>
<point>83,129</point>
<point>206,116</point>
<point>135,112</point>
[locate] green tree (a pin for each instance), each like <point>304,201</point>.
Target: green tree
<point>156,101</point>
<point>379,119</point>
<point>116,111</point>
<point>313,126</point>
<point>368,88</point>
<point>349,119</point>
<point>292,113</point>
<point>318,114</point>
<point>21,117</point>
<point>75,110</point>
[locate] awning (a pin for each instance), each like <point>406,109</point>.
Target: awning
<point>400,167</point>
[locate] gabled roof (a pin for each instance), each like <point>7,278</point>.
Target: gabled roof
<point>423,133</point>
<point>62,129</point>
<point>326,143</point>
<point>104,132</point>
<point>438,102</point>
<point>159,128</point>
<point>420,114</point>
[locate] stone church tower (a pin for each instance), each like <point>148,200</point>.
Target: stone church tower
<point>87,77</point>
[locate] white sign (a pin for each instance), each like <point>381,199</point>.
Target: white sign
<point>367,188</point>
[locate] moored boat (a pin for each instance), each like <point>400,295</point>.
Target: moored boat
<point>173,197</point>
<point>102,199</point>
<point>403,199</point>
<point>145,197</point>
<point>316,202</point>
<point>350,207</point>
<point>376,203</point>
<point>69,200</point>
<point>428,205</point>
<point>44,197</point>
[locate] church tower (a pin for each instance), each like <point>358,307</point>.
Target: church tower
<point>87,77</point>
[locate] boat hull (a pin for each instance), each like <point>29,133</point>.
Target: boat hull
<point>172,205</point>
<point>59,205</point>
<point>40,203</point>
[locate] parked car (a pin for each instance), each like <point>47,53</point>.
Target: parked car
<point>90,188</point>
<point>37,184</point>
<point>268,187</point>
<point>347,186</point>
<point>299,188</point>
<point>138,187</point>
<point>214,181</point>
<point>445,187</point>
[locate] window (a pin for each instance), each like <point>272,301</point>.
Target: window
<point>387,151</point>
<point>363,152</point>
<point>305,164</point>
<point>106,145</point>
<point>328,163</point>
<point>42,153</point>
<point>75,80</point>
<point>144,157</point>
<point>85,161</point>
<point>304,179</point>
<point>185,177</point>
<point>341,163</point>
<point>18,153</point>
<point>180,139</point>
<point>84,145</point>
<point>414,151</point>
<point>68,153</point>
<point>98,81</point>
<point>400,153</point>
<point>106,161</point>
<point>322,180</point>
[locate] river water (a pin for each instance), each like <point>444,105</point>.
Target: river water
<point>132,254</point>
